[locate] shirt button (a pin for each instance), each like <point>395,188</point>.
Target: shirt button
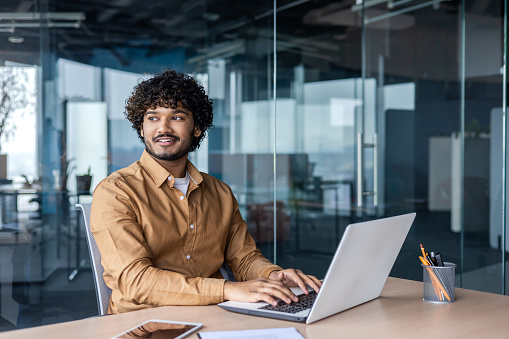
<point>188,256</point>
<point>181,197</point>
<point>169,178</point>
<point>192,226</point>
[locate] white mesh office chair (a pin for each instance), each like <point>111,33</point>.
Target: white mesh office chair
<point>103,292</point>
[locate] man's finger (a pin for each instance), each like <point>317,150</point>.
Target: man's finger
<point>275,288</point>
<point>267,298</point>
<point>317,283</point>
<point>312,282</point>
<point>281,292</point>
<point>302,283</point>
<point>295,277</point>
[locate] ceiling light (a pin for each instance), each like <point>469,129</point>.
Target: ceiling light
<point>10,20</point>
<point>16,39</point>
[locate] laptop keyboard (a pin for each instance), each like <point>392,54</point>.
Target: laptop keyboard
<point>305,302</point>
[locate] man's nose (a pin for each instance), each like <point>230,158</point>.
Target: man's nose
<point>164,126</point>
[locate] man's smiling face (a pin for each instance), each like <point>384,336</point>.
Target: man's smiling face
<point>168,133</point>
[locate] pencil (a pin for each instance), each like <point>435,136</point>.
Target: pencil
<point>437,290</point>
<point>423,252</point>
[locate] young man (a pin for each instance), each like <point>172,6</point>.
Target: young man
<point>163,228</point>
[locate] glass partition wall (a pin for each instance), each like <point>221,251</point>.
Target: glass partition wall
<point>429,55</point>
<point>382,108</point>
<point>326,113</point>
<point>482,136</point>
<point>438,69</point>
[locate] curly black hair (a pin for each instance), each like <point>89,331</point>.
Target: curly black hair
<point>170,89</point>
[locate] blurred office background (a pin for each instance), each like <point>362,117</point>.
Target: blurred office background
<point>326,113</point>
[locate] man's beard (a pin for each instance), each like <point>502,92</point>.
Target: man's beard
<point>184,149</point>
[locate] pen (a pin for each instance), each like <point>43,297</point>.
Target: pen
<point>433,258</point>
<point>440,262</point>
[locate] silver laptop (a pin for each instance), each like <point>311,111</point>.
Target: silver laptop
<point>357,274</point>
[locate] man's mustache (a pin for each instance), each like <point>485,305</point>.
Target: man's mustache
<point>167,135</point>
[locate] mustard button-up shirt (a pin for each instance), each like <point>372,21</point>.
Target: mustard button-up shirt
<point>159,247</point>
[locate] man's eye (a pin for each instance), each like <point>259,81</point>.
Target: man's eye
<point>152,118</point>
<point>177,118</point>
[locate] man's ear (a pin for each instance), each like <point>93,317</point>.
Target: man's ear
<point>141,131</point>
<point>197,132</point>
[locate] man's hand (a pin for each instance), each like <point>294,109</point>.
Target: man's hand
<point>269,290</point>
<point>258,290</point>
<point>292,277</point>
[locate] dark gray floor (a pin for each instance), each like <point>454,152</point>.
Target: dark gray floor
<point>56,300</point>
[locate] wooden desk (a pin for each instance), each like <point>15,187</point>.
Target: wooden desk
<point>398,313</point>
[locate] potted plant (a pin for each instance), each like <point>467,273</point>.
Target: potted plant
<point>83,182</point>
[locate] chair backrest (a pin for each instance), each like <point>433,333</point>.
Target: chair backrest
<point>103,292</point>
<point>225,273</point>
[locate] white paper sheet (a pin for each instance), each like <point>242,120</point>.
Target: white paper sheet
<point>268,333</point>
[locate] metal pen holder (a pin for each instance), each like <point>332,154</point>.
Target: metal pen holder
<point>439,283</point>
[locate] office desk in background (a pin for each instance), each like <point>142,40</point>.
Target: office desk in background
<point>10,217</point>
<point>398,313</point>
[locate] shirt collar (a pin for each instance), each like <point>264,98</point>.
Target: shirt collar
<point>159,174</point>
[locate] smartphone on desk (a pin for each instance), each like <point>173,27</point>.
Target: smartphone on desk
<point>160,329</point>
